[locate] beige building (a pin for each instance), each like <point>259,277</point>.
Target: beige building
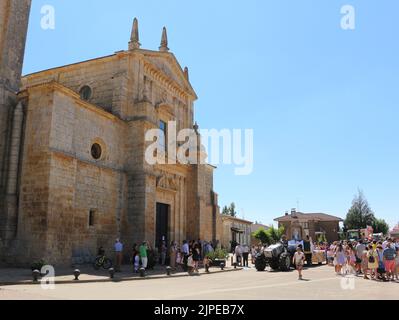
<point>234,230</point>
<point>76,172</point>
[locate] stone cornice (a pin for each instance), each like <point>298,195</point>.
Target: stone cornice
<point>71,66</point>
<point>55,86</point>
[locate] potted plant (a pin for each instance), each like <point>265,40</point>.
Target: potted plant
<point>38,265</point>
<point>217,257</point>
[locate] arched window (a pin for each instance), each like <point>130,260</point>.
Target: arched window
<point>85,93</point>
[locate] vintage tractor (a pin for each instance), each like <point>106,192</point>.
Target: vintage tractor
<point>277,256</point>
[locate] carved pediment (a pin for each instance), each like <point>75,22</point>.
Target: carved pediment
<point>167,67</point>
<point>170,70</point>
<point>167,182</point>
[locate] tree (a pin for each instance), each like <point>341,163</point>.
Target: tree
<point>269,236</point>
<point>275,234</point>
<point>380,226</point>
<point>232,210</point>
<point>262,235</point>
<point>360,214</point>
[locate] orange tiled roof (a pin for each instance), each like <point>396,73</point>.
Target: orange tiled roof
<point>309,216</point>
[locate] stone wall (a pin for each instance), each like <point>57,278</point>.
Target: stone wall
<point>207,225</point>
<point>59,133</point>
<point>287,228</point>
<point>331,228</point>
<point>104,77</point>
<point>34,180</point>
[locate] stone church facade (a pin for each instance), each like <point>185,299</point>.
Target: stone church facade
<point>74,174</point>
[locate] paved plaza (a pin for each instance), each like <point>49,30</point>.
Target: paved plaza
<point>319,282</point>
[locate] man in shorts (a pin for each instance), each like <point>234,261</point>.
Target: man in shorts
<point>389,261</point>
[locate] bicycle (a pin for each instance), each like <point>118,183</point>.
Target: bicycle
<point>102,261</point>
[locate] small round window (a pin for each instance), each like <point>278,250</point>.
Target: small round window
<point>85,93</point>
<point>96,151</point>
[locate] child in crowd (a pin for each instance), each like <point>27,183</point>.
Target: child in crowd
<point>299,260</point>
<point>351,256</point>
<point>330,255</point>
<point>190,263</point>
<point>207,263</point>
<point>179,259</point>
<point>341,258</point>
<point>136,262</point>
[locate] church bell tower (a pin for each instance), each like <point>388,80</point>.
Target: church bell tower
<point>14,17</point>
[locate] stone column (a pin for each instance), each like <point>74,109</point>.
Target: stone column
<point>15,150</point>
<point>11,211</point>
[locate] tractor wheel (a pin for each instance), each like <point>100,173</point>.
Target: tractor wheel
<point>274,264</point>
<point>285,262</point>
<point>260,262</point>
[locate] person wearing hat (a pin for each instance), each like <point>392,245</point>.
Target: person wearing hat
<point>118,255</point>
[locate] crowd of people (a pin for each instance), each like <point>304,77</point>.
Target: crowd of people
<point>187,256</point>
<point>241,253</point>
<point>372,259</point>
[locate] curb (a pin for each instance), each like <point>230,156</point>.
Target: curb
<point>125,279</point>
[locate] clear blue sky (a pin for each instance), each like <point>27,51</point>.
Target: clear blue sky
<point>324,102</point>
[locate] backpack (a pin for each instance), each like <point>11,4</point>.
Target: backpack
<point>371,258</point>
